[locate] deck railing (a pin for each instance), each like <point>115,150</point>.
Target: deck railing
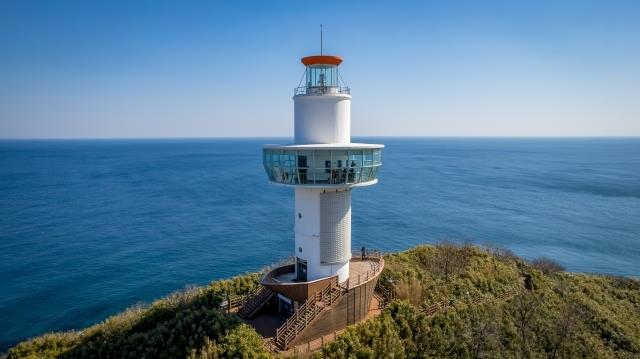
<point>268,271</point>
<point>304,90</point>
<point>374,258</point>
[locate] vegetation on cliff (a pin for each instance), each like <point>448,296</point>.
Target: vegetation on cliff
<point>185,324</point>
<point>554,315</point>
<point>551,314</point>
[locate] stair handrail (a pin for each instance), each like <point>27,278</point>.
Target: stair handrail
<point>254,299</point>
<point>306,313</point>
<point>240,300</point>
<point>446,303</point>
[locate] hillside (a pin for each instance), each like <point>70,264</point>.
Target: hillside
<point>497,305</point>
<point>555,314</point>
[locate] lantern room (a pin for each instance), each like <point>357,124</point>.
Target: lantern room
<point>321,76</point>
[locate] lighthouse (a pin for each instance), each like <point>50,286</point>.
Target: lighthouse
<point>322,166</point>
<point>322,287</point>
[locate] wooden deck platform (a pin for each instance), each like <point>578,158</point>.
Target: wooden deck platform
<point>319,313</point>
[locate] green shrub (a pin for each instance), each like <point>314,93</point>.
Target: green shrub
<point>547,266</point>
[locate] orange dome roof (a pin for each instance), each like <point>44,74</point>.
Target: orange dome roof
<point>321,60</point>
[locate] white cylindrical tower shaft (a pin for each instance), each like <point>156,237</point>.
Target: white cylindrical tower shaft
<point>323,232</point>
<point>322,118</point>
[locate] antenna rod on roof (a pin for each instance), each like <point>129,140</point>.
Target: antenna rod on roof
<point>320,39</point>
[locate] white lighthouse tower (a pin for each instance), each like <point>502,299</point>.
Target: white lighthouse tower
<point>322,288</point>
<point>323,166</point>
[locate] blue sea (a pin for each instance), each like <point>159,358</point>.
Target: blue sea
<point>91,227</point>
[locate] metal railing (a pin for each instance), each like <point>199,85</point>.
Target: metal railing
<point>374,258</point>
<point>368,253</point>
<point>322,176</point>
<point>322,166</point>
<point>318,90</point>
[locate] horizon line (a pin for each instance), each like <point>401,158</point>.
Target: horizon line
<point>359,136</point>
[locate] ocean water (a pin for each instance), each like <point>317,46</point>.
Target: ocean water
<point>88,228</point>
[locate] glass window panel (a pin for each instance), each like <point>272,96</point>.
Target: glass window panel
<point>366,174</point>
<point>340,158</point>
<point>355,175</point>
<point>323,75</point>
<point>320,159</point>
<point>368,158</point>
<point>305,159</point>
<point>351,174</point>
<point>377,157</point>
<point>374,172</point>
<point>355,158</point>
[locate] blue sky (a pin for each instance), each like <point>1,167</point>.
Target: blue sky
<point>73,69</point>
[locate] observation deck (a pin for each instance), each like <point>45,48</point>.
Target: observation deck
<point>323,165</point>
<point>282,277</point>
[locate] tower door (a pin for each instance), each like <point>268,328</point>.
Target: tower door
<point>301,272</point>
<point>285,306</point>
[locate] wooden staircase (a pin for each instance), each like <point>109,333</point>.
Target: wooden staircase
<point>257,300</point>
<point>309,311</point>
<point>383,295</point>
